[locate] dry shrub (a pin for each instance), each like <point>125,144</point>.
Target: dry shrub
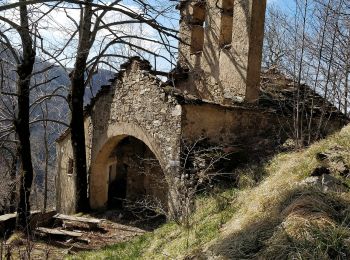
<point>309,240</point>
<point>314,226</point>
<point>247,243</point>
<point>310,205</point>
<point>310,225</point>
<point>250,176</point>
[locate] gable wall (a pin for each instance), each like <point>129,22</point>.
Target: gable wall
<point>65,183</point>
<point>135,106</point>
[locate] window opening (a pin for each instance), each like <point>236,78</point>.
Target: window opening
<point>197,23</point>
<point>226,28</point>
<point>70,169</point>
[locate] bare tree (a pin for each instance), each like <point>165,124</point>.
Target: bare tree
<point>8,168</point>
<point>275,44</point>
<point>90,55</point>
<point>25,63</point>
<point>93,20</point>
<point>310,45</point>
<point>17,104</point>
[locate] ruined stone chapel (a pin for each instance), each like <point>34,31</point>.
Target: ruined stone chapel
<point>136,127</point>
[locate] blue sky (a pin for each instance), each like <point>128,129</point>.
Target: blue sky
<point>287,5</point>
<point>59,23</point>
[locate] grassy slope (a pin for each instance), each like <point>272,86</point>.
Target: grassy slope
<point>278,218</point>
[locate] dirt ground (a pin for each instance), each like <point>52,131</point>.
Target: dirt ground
<point>116,226</point>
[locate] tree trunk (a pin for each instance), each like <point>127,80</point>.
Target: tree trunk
<point>13,174</point>
<point>24,71</point>
<point>46,145</point>
<point>346,90</point>
<point>24,150</point>
<point>76,102</point>
<point>78,144</point>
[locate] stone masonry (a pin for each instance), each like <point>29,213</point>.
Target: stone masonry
<point>222,48</point>
<point>215,97</point>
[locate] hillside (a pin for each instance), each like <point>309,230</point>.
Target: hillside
<point>50,79</point>
<point>286,215</point>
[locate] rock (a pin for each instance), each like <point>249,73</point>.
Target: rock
<point>321,170</point>
<point>321,157</point>
<point>333,160</point>
<point>177,111</point>
<point>238,99</point>
<point>341,168</point>
<point>157,123</point>
<point>227,95</point>
<point>326,183</point>
<point>235,99</point>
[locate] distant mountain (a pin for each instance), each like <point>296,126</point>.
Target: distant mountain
<point>52,80</point>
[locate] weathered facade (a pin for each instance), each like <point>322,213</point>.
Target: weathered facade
<point>135,128</point>
<point>222,48</point>
<point>134,106</point>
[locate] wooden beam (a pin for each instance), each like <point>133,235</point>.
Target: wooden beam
<point>77,219</point>
<point>58,232</point>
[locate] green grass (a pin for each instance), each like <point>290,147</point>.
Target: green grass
<point>276,218</point>
<point>172,240</point>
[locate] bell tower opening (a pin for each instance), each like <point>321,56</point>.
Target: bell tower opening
<point>197,23</point>
<point>221,49</point>
<point>226,26</point>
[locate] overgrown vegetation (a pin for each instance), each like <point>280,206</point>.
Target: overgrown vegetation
<point>278,218</point>
<point>171,239</point>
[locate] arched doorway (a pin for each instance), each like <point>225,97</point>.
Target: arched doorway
<point>133,176</point>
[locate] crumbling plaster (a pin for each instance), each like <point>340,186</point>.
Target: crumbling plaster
<point>65,183</point>
<point>222,73</point>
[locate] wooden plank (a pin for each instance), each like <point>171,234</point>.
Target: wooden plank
<point>78,219</point>
<point>8,222</point>
<point>8,216</point>
<point>42,219</point>
<point>58,232</point>
<point>14,215</point>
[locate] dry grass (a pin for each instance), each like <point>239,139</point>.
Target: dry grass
<point>277,218</point>
<point>280,218</point>
<point>171,240</point>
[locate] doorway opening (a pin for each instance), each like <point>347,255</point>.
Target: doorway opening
<point>135,178</point>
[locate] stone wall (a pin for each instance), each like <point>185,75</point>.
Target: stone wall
<point>222,48</point>
<point>65,183</point>
<point>135,106</point>
<point>245,128</point>
<point>251,128</point>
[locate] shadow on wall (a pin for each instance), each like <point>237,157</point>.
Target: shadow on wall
<point>221,59</point>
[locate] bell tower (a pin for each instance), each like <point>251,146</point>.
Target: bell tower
<point>221,48</point>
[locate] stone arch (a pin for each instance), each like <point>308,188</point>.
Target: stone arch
<point>105,144</point>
